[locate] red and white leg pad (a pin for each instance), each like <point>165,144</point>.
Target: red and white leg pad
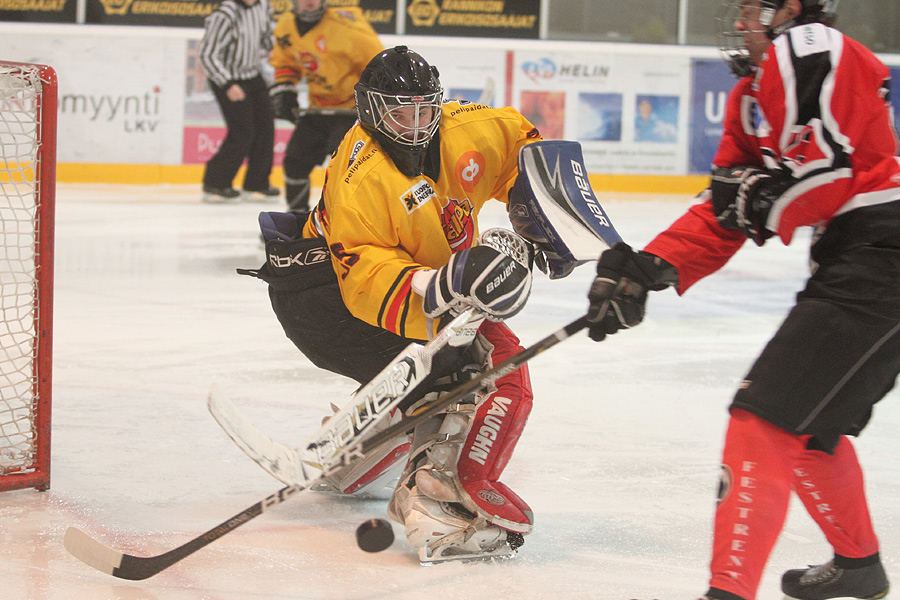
<point>450,500</point>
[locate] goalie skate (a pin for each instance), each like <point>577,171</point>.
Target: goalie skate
<point>446,531</point>
<point>478,547</point>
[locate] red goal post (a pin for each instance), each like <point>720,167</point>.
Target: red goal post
<point>28,111</point>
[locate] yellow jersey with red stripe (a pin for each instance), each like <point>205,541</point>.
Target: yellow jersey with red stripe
<point>382,226</point>
<point>330,56</point>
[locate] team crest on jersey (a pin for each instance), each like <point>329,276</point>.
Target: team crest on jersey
<point>459,227</point>
<point>346,14</point>
<point>417,196</point>
<point>320,43</point>
<point>308,60</point>
<point>469,169</point>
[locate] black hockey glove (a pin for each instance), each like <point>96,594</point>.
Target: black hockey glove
<point>284,101</point>
<point>491,281</point>
<point>742,198</point>
<point>757,194</point>
<point>618,295</point>
<point>724,185</point>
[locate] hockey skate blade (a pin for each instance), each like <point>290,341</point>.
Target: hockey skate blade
<point>501,554</point>
<point>91,552</point>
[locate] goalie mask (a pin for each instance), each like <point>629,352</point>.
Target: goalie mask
<point>398,101</point>
<point>736,19</point>
<point>310,11</point>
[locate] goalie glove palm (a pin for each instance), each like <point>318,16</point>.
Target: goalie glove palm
<point>618,295</point>
<point>481,277</point>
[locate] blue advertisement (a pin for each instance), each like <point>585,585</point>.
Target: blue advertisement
<point>656,119</point>
<point>710,83</point>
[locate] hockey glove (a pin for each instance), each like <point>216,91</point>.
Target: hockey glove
<point>481,277</point>
<point>284,101</point>
<point>724,186</point>
<point>742,198</point>
<point>757,194</point>
<point>618,295</point>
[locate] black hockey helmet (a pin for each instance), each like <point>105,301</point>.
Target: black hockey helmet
<point>311,16</point>
<point>731,41</point>
<point>398,101</point>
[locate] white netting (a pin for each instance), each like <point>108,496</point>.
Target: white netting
<point>20,88</point>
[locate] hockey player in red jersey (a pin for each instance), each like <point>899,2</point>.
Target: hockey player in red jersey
<point>808,141</point>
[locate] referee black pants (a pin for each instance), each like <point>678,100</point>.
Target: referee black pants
<point>250,136</point>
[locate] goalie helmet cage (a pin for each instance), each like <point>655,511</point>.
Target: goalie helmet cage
<point>28,107</point>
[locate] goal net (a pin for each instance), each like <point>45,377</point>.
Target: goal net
<point>28,101</point>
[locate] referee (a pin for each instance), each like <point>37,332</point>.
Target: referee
<point>237,33</point>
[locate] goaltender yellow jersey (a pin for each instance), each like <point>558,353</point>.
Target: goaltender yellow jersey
<point>330,56</point>
<point>382,226</point>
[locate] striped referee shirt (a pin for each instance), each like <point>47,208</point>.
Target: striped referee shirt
<point>235,35</point>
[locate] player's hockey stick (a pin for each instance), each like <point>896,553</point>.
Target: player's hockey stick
<point>328,112</point>
<point>128,566</point>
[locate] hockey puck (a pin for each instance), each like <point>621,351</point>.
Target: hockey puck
<point>374,535</point>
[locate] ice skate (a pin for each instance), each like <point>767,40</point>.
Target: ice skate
<point>270,195</point>
<point>446,531</point>
<point>214,195</point>
<point>823,582</point>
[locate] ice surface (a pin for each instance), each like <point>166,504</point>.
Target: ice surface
<point>619,459</point>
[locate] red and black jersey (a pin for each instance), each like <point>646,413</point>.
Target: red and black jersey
<point>818,110</point>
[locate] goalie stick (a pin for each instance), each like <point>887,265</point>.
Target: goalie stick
<point>128,566</point>
<point>280,460</point>
<point>324,451</point>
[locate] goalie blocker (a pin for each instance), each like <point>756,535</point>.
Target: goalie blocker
<point>553,206</point>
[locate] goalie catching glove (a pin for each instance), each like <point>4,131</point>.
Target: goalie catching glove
<point>483,277</point>
<point>618,295</point>
<point>284,101</point>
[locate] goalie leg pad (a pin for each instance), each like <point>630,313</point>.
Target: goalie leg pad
<point>458,457</point>
<point>496,428</point>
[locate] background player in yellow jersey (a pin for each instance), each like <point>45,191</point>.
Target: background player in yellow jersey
<point>329,48</point>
